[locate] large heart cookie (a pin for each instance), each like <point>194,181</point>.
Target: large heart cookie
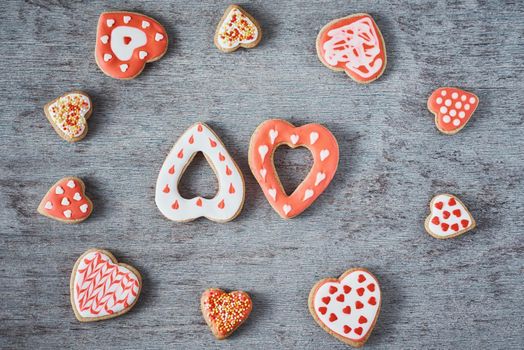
<point>225,312</point>
<point>452,108</point>
<point>324,148</point>
<point>354,45</point>
<point>226,204</point>
<point>66,201</point>
<point>101,288</point>
<point>68,115</point>
<point>449,217</point>
<point>347,307</point>
<point>237,28</point>
<point>126,41</point>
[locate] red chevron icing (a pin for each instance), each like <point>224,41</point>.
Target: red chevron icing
<point>102,287</point>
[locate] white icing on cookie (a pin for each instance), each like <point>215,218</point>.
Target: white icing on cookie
<point>124,41</point>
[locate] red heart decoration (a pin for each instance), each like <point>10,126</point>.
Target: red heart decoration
<point>452,108</point>
<point>66,201</point>
<point>225,312</point>
<point>350,325</point>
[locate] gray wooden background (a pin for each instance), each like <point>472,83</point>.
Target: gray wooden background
<point>461,293</point>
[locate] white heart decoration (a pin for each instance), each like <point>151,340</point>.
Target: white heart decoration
<point>324,154</point>
<point>273,135</point>
<point>313,137</point>
<point>286,208</point>
<point>294,139</point>
<point>273,193</point>
<point>320,178</point>
<point>262,150</point>
<point>308,194</point>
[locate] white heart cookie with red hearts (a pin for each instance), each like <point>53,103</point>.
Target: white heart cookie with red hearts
<point>102,288</point>
<point>347,307</point>
<point>449,217</point>
<point>226,204</point>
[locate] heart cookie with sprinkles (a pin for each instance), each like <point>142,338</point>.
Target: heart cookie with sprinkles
<point>66,201</point>
<point>102,288</point>
<point>347,307</point>
<point>68,115</point>
<point>319,140</point>
<point>126,41</point>
<point>449,217</point>
<point>225,312</point>
<point>236,29</point>
<point>452,108</point>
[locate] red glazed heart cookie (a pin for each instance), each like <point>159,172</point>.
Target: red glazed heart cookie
<point>226,204</point>
<point>354,45</point>
<point>66,201</point>
<point>449,217</point>
<point>452,108</point>
<point>225,312</point>
<point>101,288</point>
<point>126,41</point>
<point>68,115</point>
<point>318,139</point>
<point>237,28</point>
<point>347,307</point>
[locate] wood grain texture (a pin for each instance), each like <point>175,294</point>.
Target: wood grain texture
<point>461,293</point>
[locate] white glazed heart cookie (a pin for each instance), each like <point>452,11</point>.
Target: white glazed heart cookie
<point>68,115</point>
<point>347,307</point>
<point>449,217</point>
<point>227,203</point>
<point>237,28</point>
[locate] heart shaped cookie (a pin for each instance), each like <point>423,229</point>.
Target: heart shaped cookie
<point>347,307</point>
<point>449,217</point>
<point>101,288</point>
<point>237,28</point>
<point>226,204</point>
<point>225,312</point>
<point>324,148</point>
<point>354,45</point>
<point>452,108</point>
<point>66,201</point>
<point>126,41</point>
<point>68,115</point>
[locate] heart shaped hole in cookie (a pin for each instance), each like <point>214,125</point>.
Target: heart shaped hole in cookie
<point>292,166</point>
<point>199,179</point>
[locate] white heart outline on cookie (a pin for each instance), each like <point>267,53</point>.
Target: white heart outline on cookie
<point>228,201</point>
<point>354,298</point>
<point>435,229</point>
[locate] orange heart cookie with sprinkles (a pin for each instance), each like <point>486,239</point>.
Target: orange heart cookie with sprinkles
<point>347,307</point>
<point>449,217</point>
<point>66,201</point>
<point>126,41</point>
<point>318,139</point>
<point>452,108</point>
<point>102,288</point>
<point>68,115</point>
<point>228,201</point>
<point>225,312</point>
<point>353,44</point>
<point>237,28</point>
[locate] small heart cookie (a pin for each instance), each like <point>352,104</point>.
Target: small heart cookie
<point>66,201</point>
<point>225,312</point>
<point>101,288</point>
<point>449,217</point>
<point>237,28</point>
<point>68,115</point>
<point>452,108</point>
<point>347,307</point>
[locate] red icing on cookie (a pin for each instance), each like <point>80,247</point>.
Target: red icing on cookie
<point>354,45</point>
<point>126,41</point>
<point>66,201</point>
<point>452,108</point>
<point>324,148</point>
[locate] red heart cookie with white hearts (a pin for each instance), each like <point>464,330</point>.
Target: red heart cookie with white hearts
<point>126,41</point>
<point>66,201</point>
<point>68,115</point>
<point>354,45</point>
<point>225,312</point>
<point>452,108</point>
<point>347,307</point>
<point>324,148</point>
<point>101,288</point>
<point>449,217</point>
<point>236,29</point>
